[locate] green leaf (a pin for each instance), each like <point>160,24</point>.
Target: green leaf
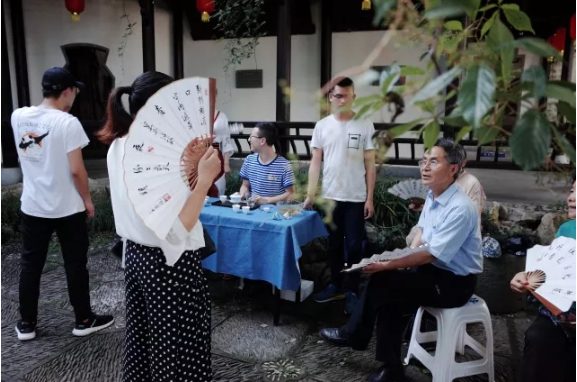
<point>451,8</point>
<point>487,7</point>
<point>422,56</point>
<point>531,139</point>
<point>411,71</point>
<point>486,134</point>
<point>363,111</point>
<point>461,134</point>
<point>519,20</point>
<point>566,110</point>
<point>427,105</point>
<point>455,121</point>
<point>558,91</point>
<point>382,8</point>
<point>453,25</point>
<point>489,23</point>
<point>476,96</point>
<point>511,7</point>
<point>537,46</point>
<point>389,78</point>
<point>564,144</point>
<point>432,88</point>
<point>565,84</point>
<point>500,40</point>
<point>432,131</point>
<point>449,41</point>
<point>397,131</point>
<point>536,78</point>
<point>365,100</point>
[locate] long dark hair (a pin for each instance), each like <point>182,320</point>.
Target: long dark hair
<point>118,120</point>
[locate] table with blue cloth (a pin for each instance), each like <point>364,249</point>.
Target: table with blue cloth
<point>257,247</point>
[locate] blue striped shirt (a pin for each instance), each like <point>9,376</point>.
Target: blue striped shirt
<point>268,180</point>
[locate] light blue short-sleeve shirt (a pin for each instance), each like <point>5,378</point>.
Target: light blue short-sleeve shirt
<point>450,227</point>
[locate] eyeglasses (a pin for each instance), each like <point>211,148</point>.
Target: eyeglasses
<point>77,91</point>
<point>341,96</point>
<point>433,163</point>
<point>253,136</point>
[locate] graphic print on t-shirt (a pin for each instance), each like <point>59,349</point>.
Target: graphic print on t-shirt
<point>31,145</point>
<point>354,141</point>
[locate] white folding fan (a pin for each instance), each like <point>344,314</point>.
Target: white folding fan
<point>551,274</point>
<point>161,153</point>
<point>386,256</point>
<point>411,189</point>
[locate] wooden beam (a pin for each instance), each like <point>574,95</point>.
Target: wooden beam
<point>283,60</point>
<point>177,39</point>
<point>148,43</point>
<point>326,48</point>
<point>9,153</point>
<point>20,61</point>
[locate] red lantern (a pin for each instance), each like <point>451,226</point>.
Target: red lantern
<point>205,7</point>
<point>572,28</point>
<point>559,39</point>
<point>76,7</point>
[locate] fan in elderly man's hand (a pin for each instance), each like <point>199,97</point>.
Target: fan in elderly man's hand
<point>412,190</point>
<point>551,274</point>
<point>166,141</point>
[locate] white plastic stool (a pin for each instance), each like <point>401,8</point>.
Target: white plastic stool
<point>451,336</point>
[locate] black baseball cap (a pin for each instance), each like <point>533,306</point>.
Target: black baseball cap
<point>59,79</point>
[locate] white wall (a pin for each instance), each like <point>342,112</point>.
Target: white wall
<point>49,26</point>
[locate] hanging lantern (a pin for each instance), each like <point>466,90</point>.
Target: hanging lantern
<point>559,40</point>
<point>572,28</point>
<point>366,5</point>
<point>205,7</point>
<point>76,7</point>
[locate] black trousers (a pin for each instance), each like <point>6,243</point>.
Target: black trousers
<point>72,233</point>
<point>347,232</point>
<point>549,355</point>
<point>388,296</point>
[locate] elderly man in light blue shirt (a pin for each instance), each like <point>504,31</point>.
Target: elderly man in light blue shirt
<point>442,275</point>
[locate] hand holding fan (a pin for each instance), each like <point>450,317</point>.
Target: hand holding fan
<point>166,141</point>
<point>411,189</point>
<point>551,274</point>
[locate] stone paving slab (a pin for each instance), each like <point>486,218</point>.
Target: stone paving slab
<point>96,359</point>
<point>54,333</point>
<point>251,335</point>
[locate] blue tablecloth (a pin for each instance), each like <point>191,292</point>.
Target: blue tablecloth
<point>246,247</point>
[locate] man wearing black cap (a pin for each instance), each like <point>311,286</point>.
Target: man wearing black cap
<point>55,197</point>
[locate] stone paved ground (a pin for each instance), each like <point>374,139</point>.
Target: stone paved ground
<point>245,344</point>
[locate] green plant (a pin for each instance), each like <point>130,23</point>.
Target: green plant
<point>241,22</point>
<point>233,182</point>
<point>128,31</point>
<point>479,54</point>
<point>11,210</point>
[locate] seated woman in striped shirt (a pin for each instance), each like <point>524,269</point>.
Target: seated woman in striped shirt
<point>266,176</point>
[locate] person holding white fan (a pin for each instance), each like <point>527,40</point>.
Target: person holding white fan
<point>167,299</point>
<point>549,353</point>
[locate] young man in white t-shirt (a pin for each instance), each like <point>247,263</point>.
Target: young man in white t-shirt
<point>55,197</point>
<point>346,148</point>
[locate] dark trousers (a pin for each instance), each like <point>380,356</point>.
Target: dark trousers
<point>347,232</point>
<point>549,355</point>
<point>72,233</point>
<point>388,296</point>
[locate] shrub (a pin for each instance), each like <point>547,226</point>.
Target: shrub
<point>11,210</point>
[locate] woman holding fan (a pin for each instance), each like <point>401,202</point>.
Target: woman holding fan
<point>549,353</point>
<point>167,301</point>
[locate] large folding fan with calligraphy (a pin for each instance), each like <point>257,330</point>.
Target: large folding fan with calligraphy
<point>412,190</point>
<point>551,274</point>
<point>161,152</point>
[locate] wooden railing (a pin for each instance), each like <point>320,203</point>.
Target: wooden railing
<point>295,137</point>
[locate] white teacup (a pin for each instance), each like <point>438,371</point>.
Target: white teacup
<point>266,209</point>
<point>245,210</point>
<point>223,198</point>
<point>235,198</point>
<point>236,207</point>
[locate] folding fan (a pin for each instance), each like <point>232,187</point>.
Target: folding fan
<point>412,189</point>
<point>385,256</point>
<point>161,152</point>
<point>551,274</point>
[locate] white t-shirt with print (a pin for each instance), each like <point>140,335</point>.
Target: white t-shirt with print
<point>43,138</point>
<point>344,145</point>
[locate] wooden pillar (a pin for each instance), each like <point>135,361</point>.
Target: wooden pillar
<point>177,39</point>
<point>283,69</point>
<point>148,43</point>
<point>326,48</point>
<point>9,154</point>
<point>20,61</point>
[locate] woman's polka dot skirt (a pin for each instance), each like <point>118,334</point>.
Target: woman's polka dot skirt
<point>167,318</point>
